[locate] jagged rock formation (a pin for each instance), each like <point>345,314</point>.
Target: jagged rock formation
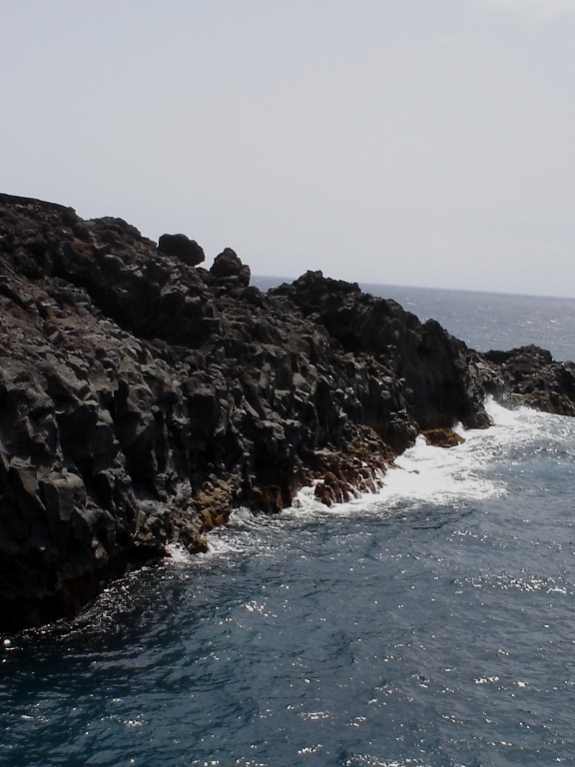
<point>529,376</point>
<point>142,397</point>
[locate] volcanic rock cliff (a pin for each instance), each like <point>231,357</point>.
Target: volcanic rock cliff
<point>143,397</point>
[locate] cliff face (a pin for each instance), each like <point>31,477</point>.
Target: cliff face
<point>142,397</point>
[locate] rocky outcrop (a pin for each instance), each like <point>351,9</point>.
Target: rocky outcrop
<point>143,397</point>
<point>529,376</point>
<point>228,269</point>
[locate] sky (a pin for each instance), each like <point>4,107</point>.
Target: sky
<point>405,142</point>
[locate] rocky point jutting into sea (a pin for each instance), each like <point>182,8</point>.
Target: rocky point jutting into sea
<point>143,397</point>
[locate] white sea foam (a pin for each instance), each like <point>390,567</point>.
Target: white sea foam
<point>464,473</point>
<point>438,475</point>
<point>220,544</point>
<point>178,554</point>
<point>426,474</point>
<point>443,476</point>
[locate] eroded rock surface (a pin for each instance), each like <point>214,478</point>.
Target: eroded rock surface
<point>143,397</point>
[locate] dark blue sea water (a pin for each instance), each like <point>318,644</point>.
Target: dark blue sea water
<point>431,625</point>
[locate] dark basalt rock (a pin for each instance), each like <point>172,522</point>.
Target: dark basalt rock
<point>529,376</point>
<point>228,268</point>
<point>142,398</point>
<point>182,247</point>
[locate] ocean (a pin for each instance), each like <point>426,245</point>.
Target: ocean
<point>430,625</point>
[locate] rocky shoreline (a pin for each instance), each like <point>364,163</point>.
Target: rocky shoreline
<point>144,397</point>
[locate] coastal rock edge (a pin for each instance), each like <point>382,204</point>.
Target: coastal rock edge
<point>143,397</point>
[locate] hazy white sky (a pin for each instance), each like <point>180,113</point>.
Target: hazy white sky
<point>414,142</point>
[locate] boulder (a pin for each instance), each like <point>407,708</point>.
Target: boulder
<point>182,247</point>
